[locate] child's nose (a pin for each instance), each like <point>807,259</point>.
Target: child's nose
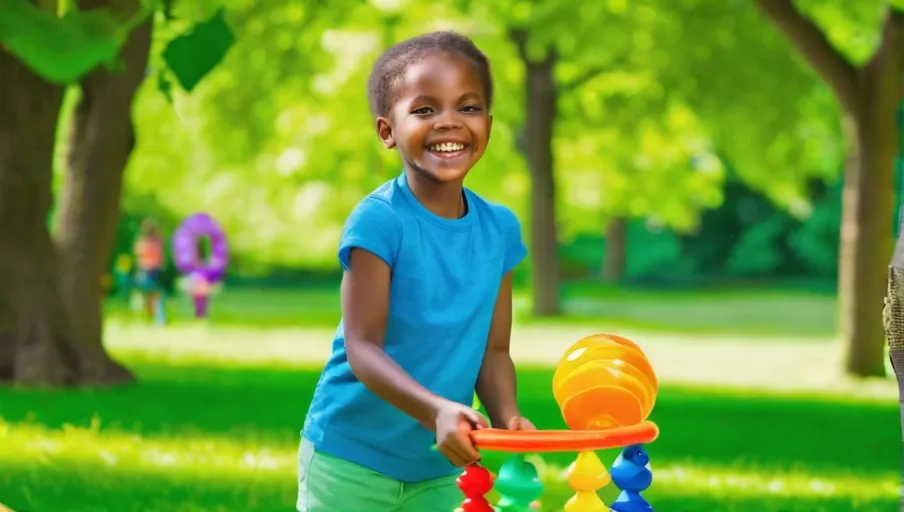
<point>447,121</point>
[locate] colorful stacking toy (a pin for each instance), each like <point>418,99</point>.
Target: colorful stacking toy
<point>606,389</point>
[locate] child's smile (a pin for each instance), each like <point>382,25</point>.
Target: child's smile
<point>447,149</point>
<point>440,121</point>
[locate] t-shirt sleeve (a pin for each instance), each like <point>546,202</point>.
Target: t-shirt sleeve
<point>515,250</point>
<point>374,227</point>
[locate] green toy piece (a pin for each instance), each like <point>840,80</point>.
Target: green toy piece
<point>518,484</point>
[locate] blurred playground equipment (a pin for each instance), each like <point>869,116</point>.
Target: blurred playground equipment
<point>201,277</point>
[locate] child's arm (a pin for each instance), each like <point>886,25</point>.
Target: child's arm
<point>496,383</point>
<point>365,307</point>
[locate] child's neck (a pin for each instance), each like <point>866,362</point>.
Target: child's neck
<point>443,199</point>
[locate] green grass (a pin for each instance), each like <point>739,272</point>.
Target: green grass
<point>723,311</point>
<point>209,432</point>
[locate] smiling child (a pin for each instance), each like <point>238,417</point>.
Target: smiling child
<point>426,300</point>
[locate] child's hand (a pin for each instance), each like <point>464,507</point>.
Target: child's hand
<point>454,424</point>
<point>520,423</point>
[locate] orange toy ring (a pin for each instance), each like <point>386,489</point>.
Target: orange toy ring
<point>545,441</point>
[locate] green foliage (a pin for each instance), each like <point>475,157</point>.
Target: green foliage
<point>63,49</point>
<point>656,167</point>
<point>64,46</point>
<point>277,143</point>
<point>852,27</point>
<point>816,241</point>
<point>192,56</point>
<point>763,109</point>
<point>755,252</point>
<point>280,159</point>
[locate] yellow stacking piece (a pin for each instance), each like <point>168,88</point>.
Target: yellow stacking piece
<point>586,475</point>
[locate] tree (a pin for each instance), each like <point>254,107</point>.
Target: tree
<point>101,142</point>
<point>635,152</point>
<point>34,343</point>
<point>50,288</point>
<point>561,49</point>
<point>868,95</point>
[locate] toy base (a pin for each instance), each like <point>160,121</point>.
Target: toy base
<point>630,501</point>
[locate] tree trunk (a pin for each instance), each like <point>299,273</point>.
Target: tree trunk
<point>101,142</point>
<point>541,97</point>
<point>867,221</point>
<point>35,342</point>
<point>869,97</point>
<point>868,218</point>
<point>616,256</point>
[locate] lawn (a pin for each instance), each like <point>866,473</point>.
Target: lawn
<point>763,312</point>
<point>213,423</point>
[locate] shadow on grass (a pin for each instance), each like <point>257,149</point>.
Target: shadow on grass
<point>701,427</point>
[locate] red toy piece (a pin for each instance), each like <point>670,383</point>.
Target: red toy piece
<point>475,482</point>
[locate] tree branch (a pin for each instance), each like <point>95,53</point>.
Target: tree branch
<point>812,44</point>
<point>891,48</point>
<point>583,78</point>
<point>519,37</point>
<point>883,71</point>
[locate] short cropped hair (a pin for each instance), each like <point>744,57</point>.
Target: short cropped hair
<point>391,66</point>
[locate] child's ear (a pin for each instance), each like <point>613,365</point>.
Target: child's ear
<point>384,130</point>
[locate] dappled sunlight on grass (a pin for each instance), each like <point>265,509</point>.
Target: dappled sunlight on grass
<point>93,459</point>
<point>748,424</point>
<point>35,444</point>
<point>209,433</point>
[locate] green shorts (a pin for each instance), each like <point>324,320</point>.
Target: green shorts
<point>331,484</point>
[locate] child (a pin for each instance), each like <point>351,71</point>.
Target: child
<point>149,257</point>
<point>426,300</point>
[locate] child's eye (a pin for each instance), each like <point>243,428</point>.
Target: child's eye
<point>422,111</point>
<point>470,108</point>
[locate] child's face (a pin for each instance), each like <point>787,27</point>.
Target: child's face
<point>439,121</point>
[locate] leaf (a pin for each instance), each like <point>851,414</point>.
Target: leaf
<point>193,55</point>
<point>60,50</point>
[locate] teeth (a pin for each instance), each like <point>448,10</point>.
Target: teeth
<point>447,147</point>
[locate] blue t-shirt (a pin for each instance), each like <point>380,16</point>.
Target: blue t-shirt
<point>445,277</point>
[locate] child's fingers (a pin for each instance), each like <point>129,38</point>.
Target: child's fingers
<point>466,448</point>
<point>459,450</point>
<point>476,419</point>
<point>454,456</point>
<point>520,423</point>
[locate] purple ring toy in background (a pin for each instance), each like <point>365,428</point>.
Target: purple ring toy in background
<point>185,247</point>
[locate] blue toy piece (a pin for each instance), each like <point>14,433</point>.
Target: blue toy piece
<point>631,473</point>
<point>518,484</point>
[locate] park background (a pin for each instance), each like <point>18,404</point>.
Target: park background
<point>679,168</point>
